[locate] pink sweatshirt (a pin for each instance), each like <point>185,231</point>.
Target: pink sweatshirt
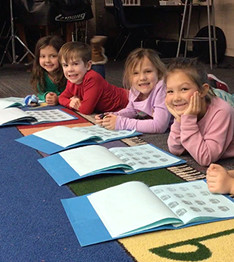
<point>148,116</point>
<point>208,140</point>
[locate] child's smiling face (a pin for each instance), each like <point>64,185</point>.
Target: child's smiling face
<point>49,58</point>
<point>75,70</point>
<point>180,88</point>
<point>144,77</point>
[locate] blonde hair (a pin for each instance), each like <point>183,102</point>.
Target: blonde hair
<point>137,56</point>
<point>73,51</point>
<point>195,70</point>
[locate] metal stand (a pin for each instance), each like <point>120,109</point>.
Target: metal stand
<point>12,39</point>
<point>211,23</point>
<point>75,35</point>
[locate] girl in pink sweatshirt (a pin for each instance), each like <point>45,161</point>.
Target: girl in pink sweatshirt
<point>146,110</point>
<point>203,124</point>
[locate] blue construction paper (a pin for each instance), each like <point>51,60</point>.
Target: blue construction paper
<point>89,229</point>
<point>49,147</point>
<point>63,173</point>
<point>46,146</point>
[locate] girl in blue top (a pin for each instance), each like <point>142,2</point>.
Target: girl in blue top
<point>47,74</point>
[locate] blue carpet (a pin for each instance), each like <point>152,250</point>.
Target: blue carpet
<point>33,224</point>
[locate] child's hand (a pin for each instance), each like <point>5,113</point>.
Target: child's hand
<point>219,180</point>
<point>109,121</point>
<point>99,119</point>
<point>75,102</point>
<point>173,112</point>
<point>194,107</point>
<point>51,99</point>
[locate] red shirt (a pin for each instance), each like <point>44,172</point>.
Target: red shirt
<point>96,95</point>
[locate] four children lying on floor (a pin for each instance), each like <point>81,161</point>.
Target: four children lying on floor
<point>153,100</point>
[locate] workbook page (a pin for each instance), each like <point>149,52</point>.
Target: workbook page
<point>13,114</point>
<point>11,101</point>
<point>87,159</point>
<point>143,156</point>
<point>130,207</point>
<point>193,202</point>
<point>103,133</point>
<point>47,116</point>
<point>63,136</point>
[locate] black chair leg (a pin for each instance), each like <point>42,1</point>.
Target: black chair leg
<point>121,48</point>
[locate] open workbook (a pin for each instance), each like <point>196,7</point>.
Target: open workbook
<point>133,208</point>
<point>16,116</point>
<point>92,160</point>
<point>11,102</point>
<point>59,138</point>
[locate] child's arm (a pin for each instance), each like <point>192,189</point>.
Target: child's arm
<point>129,111</point>
<point>154,107</point>
<point>231,173</point>
<point>195,105</point>
<point>92,93</point>
<point>110,118</point>
<point>75,103</point>
<point>173,112</point>
<point>66,95</point>
<point>109,121</point>
<point>40,94</point>
<point>51,99</point>
<point>99,118</point>
<point>48,92</point>
<point>219,180</point>
<point>174,140</point>
<point>208,145</point>
<point>158,124</point>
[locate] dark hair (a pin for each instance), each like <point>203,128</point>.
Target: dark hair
<point>38,72</point>
<point>194,69</point>
<point>74,50</point>
<point>137,56</point>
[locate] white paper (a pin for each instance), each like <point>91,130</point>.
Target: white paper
<point>143,156</point>
<point>93,158</point>
<point>193,200</point>
<point>66,136</point>
<point>12,114</point>
<point>53,115</point>
<point>15,114</point>
<point>127,207</point>
<point>62,135</point>
<point>87,159</point>
<point>104,133</point>
<point>11,101</point>
<point>133,206</point>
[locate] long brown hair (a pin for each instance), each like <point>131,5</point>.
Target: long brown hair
<point>38,72</point>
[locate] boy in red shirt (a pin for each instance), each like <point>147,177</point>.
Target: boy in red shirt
<point>86,90</point>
